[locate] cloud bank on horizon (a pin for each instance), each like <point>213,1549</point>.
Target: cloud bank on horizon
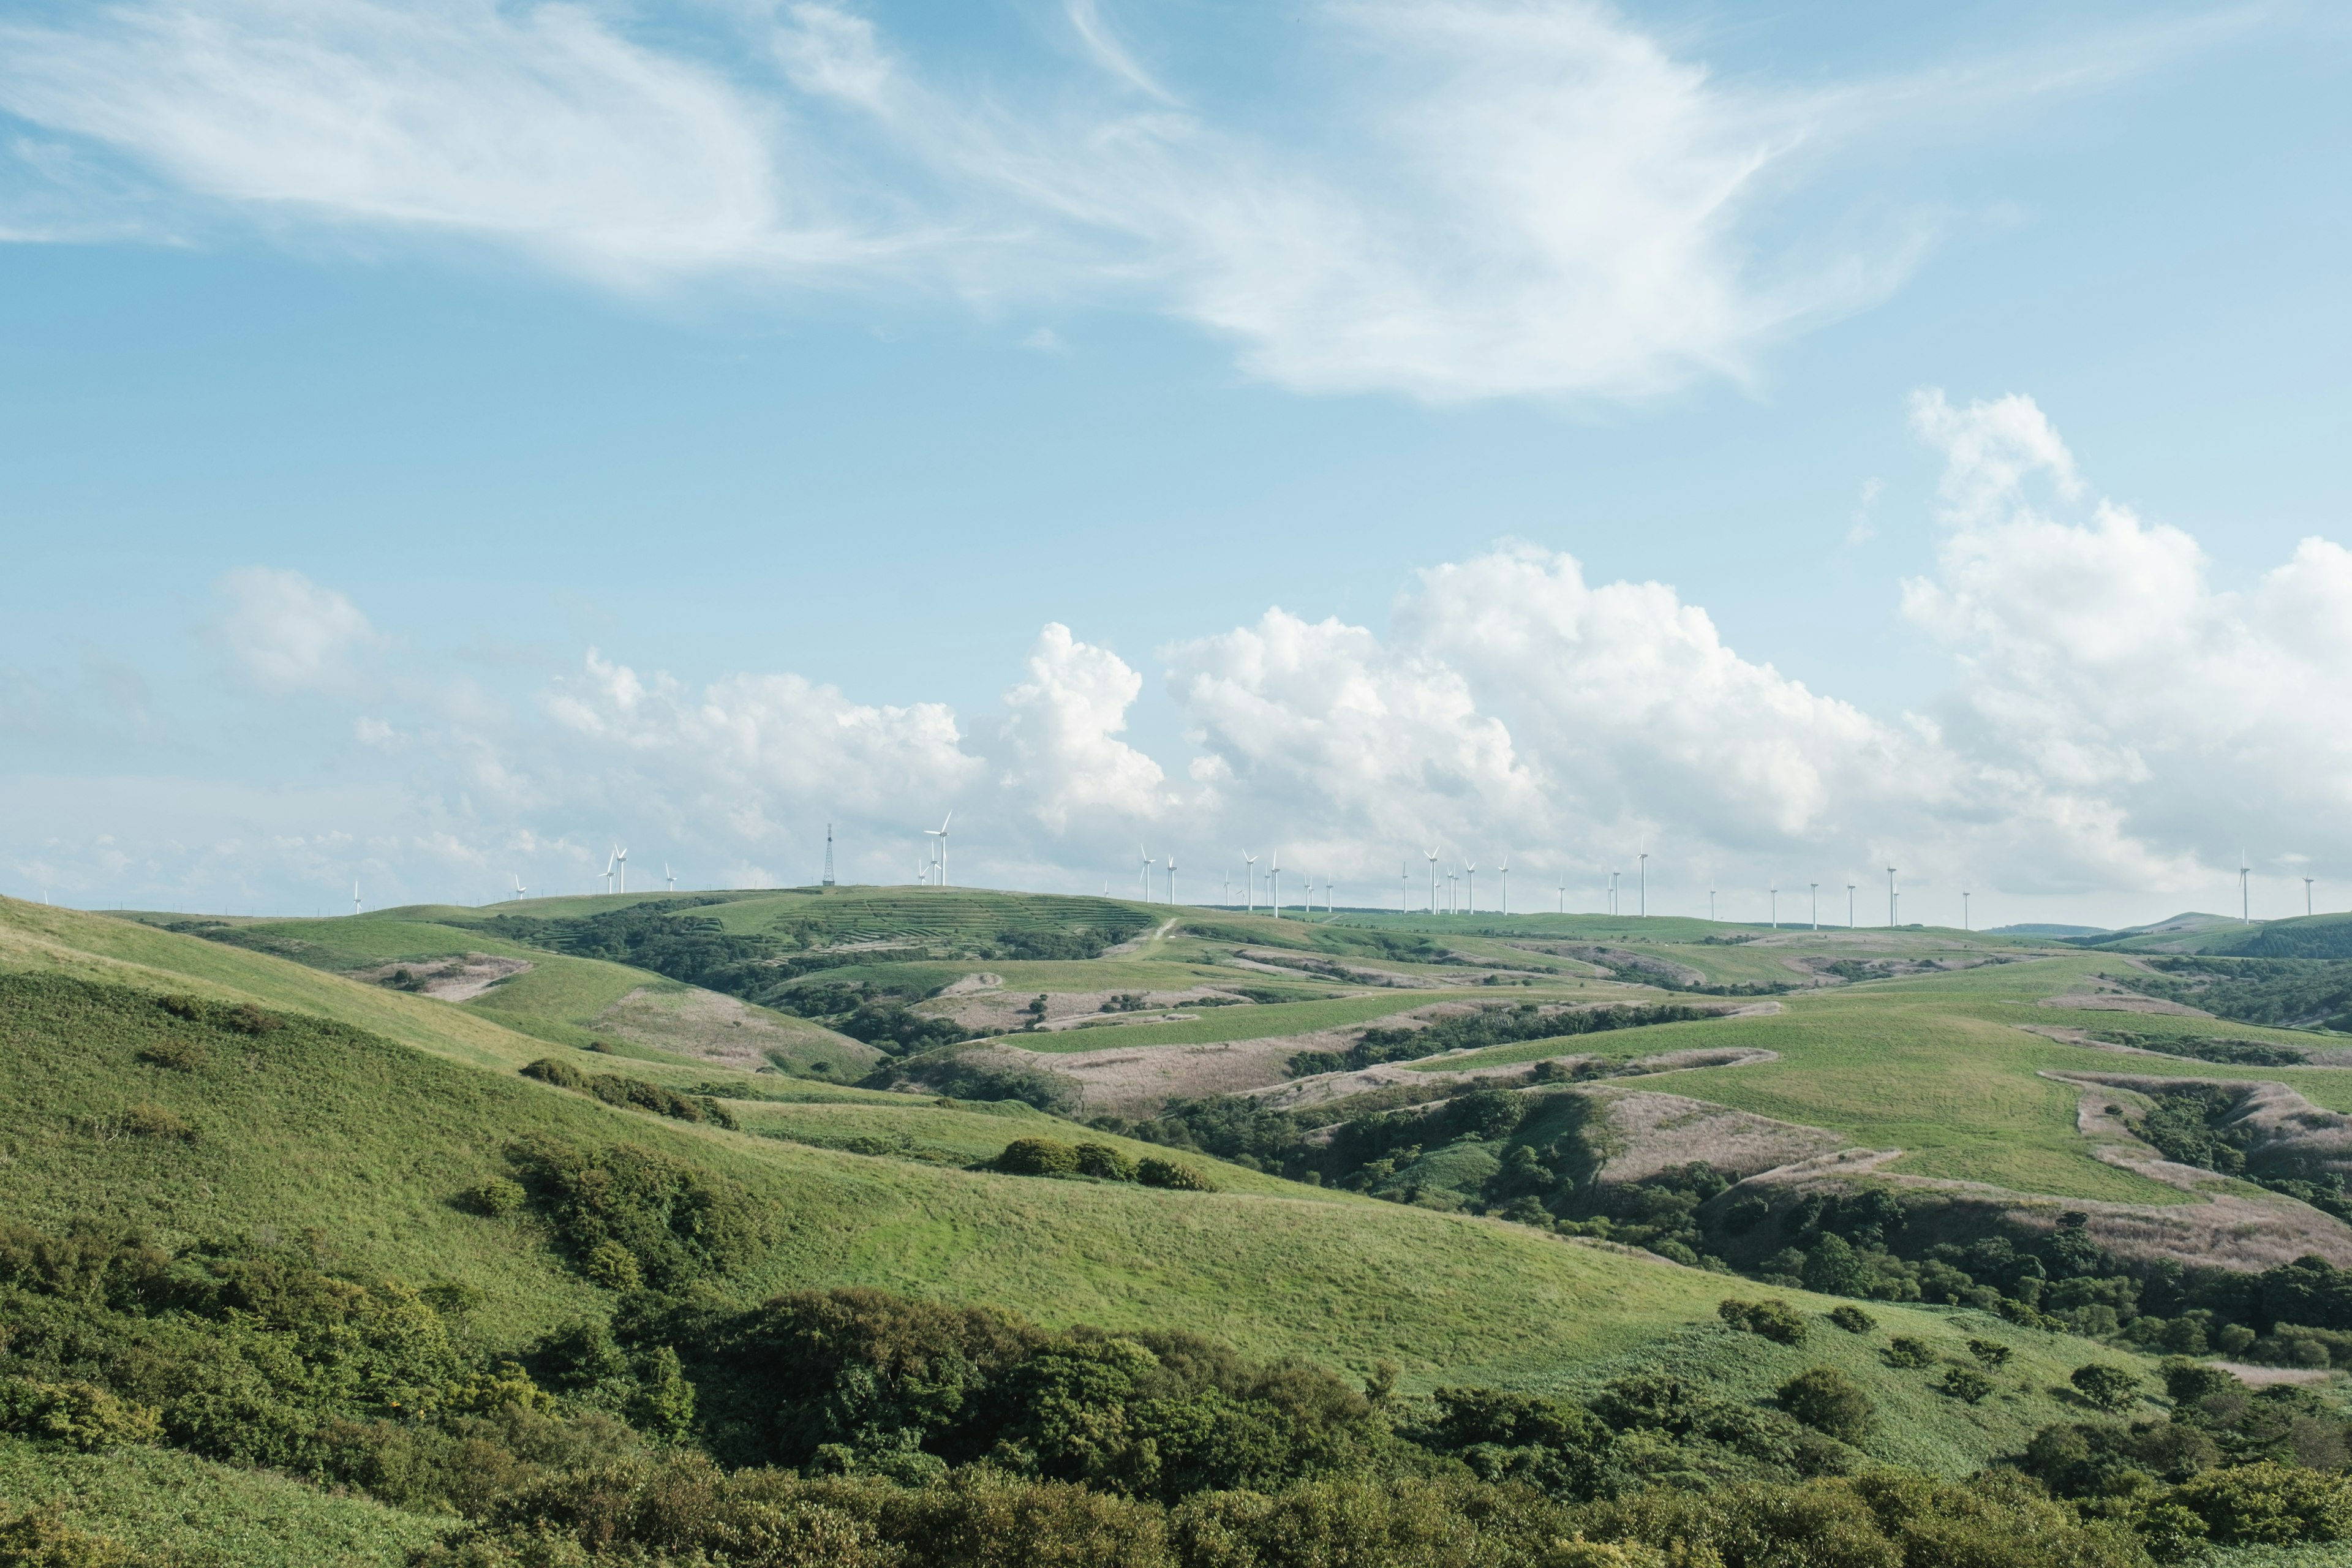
<point>1449,199</point>
<point>2115,719</point>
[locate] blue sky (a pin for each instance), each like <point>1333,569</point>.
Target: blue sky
<point>381,381</point>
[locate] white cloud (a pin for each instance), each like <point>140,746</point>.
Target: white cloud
<point>1063,756</point>
<point>1502,199</point>
<point>2100,657</point>
<point>287,632</point>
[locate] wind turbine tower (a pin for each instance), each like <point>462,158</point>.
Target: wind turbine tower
<point>2306,895</point>
<point>1710,906</point>
<point>1404,883</point>
<point>355,895</point>
<point>1172,878</point>
<point>828,856</point>
<point>1563,897</point>
<point>1964,911</point>
<point>1893,903</point>
<point>1250,861</point>
<point>669,876</point>
<point>1775,891</point>
<point>518,887</point>
<point>2245,898</point>
<point>1472,868</point>
<point>621,868</point>
<point>1273,880</point>
<point>940,833</point>
<point>1146,872</point>
<point>608,869</point>
<point>1849,906</point>
<point>1644,858</point>
<point>1432,879</point>
<point>1504,871</point>
<point>1817,904</point>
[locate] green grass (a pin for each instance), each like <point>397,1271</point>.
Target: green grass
<point>173,1504</point>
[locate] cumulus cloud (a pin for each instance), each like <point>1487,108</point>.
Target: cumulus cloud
<point>1062,755</point>
<point>2100,655</point>
<point>286,632</point>
<point>1506,199</point>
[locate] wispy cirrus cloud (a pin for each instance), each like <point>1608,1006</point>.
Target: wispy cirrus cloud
<point>1503,198</point>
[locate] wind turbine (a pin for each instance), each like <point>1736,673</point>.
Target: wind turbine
<point>1849,906</point>
<point>940,833</point>
<point>1146,872</point>
<point>1472,868</point>
<point>2306,895</point>
<point>1404,883</point>
<point>1172,878</point>
<point>2245,899</point>
<point>608,868</point>
<point>1250,860</point>
<point>620,868</point>
<point>1891,902</point>
<point>355,895</point>
<point>1775,906</point>
<point>1964,909</point>
<point>1227,900</point>
<point>669,876</point>
<point>1433,881</point>
<point>1563,897</point>
<point>519,889</point>
<point>1710,906</point>
<point>1645,884</point>
<point>1504,871</point>
<point>1612,894</point>
<point>1273,880</point>
<point>1817,904</point>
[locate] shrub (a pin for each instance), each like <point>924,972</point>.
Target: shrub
<point>180,1056</point>
<point>677,1220</point>
<point>247,1019</point>
<point>494,1197</point>
<point>1828,1401</point>
<point>2106,1386</point>
<point>79,1414</point>
<point>612,1265</point>
<point>2268,1504</point>
<point>2187,1382</point>
<point>1966,1383</point>
<point>1774,1319</point>
<point>154,1121</point>
<point>1102,1160</point>
<point>555,1070</point>
<point>1991,1353</point>
<point>1038,1157</point>
<point>1908,1351</point>
<point>1153,1172</point>
<point>45,1541</point>
<point>1852,1320</point>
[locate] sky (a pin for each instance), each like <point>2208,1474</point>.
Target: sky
<point>441,442</point>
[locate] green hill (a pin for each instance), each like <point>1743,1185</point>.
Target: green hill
<point>292,1185</point>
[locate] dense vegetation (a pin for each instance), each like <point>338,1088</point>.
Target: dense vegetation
<point>1486,1026</point>
<point>2282,993</point>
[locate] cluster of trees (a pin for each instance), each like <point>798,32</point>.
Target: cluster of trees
<point>2210,1048</point>
<point>2280,993</point>
<point>1051,1157</point>
<point>617,1088</point>
<point>1486,1026</point>
<point>857,1427</point>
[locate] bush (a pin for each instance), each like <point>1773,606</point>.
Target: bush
<point>1038,1157</point>
<point>1102,1160</point>
<point>1153,1172</point>
<point>677,1221</point>
<point>1852,1320</point>
<point>1910,1351</point>
<point>154,1121</point>
<point>561,1073</point>
<point>1829,1401</point>
<point>180,1056</point>
<point>1774,1319</point>
<point>1991,1353</point>
<point>2268,1504</point>
<point>45,1541</point>
<point>495,1198</point>
<point>2187,1382</point>
<point>1966,1383</point>
<point>78,1414</point>
<point>2106,1386</point>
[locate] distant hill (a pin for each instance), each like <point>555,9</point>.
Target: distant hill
<point>2034,930</point>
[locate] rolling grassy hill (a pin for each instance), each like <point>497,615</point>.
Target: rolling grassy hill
<point>369,1114</point>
